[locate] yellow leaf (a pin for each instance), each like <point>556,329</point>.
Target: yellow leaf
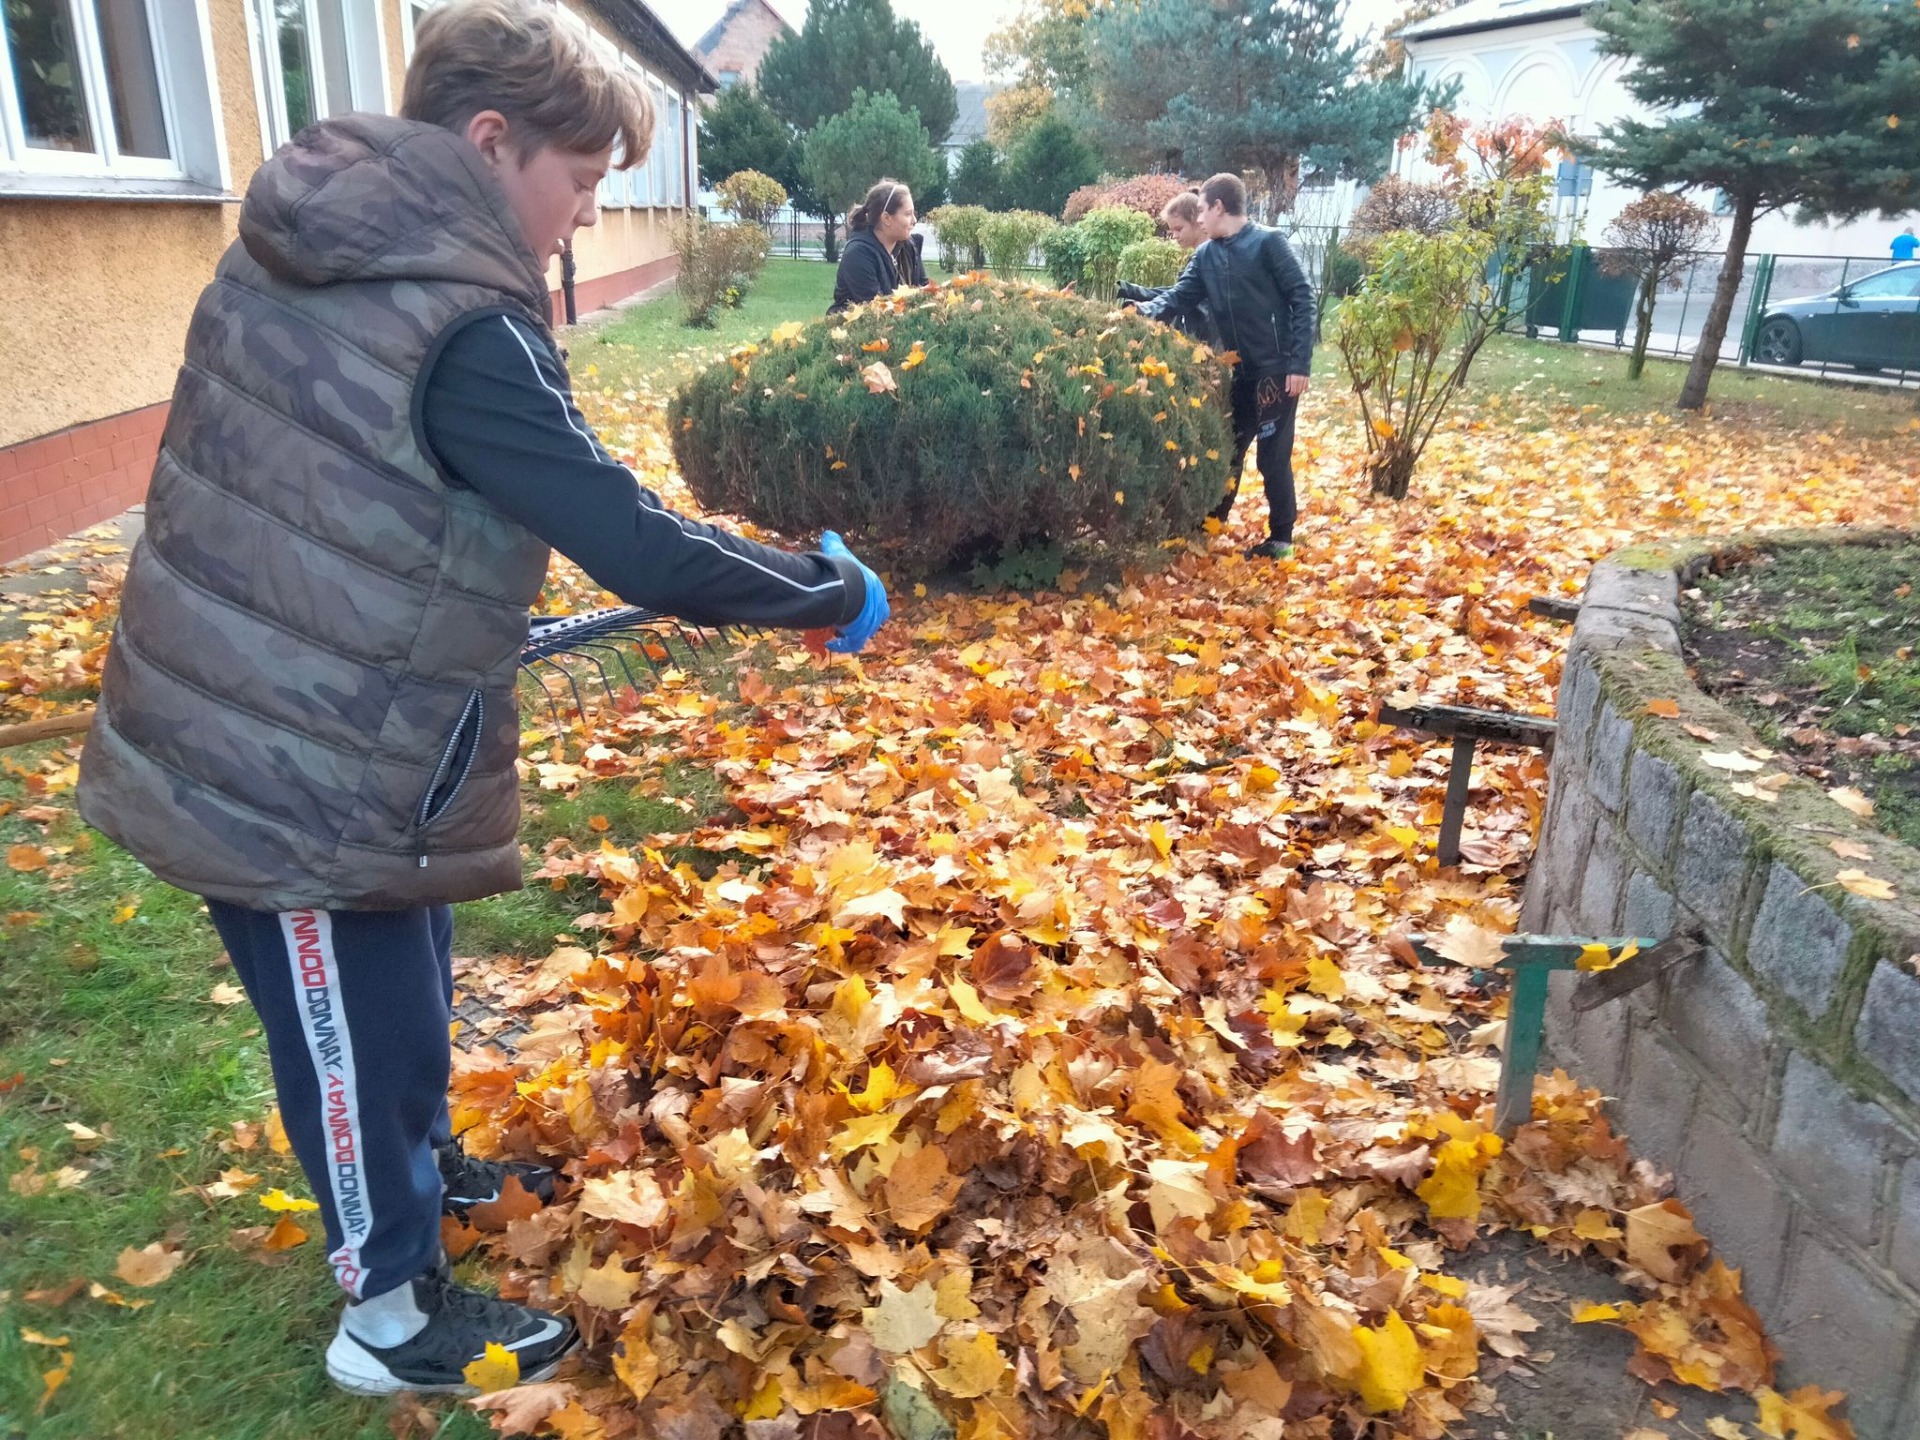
<point>1384,429</point>
<point>1596,957</point>
<point>882,1085</point>
<point>974,1365</point>
<point>1452,1191</point>
<point>1722,1428</point>
<point>1587,1314</point>
<point>967,1001</point>
<point>278,1201</point>
<point>1852,800</point>
<point>52,1379</point>
<point>792,330</point>
<point>1801,1415</point>
<point>861,1132</point>
<point>1391,1367</point>
<point>633,1358</point>
<point>1870,887</point>
<point>1665,709</point>
<point>904,1319</point>
<point>609,1286</point>
<point>497,1369</point>
<point>766,1402</point>
<point>915,357</point>
<point>1324,978</point>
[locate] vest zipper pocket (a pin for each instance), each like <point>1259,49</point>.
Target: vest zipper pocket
<point>456,762</point>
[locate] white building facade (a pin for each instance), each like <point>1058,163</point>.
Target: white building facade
<point>1540,61</point>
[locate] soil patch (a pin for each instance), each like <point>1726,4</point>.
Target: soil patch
<point>1818,648</point>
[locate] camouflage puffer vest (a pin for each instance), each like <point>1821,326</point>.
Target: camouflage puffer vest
<point>309,701</point>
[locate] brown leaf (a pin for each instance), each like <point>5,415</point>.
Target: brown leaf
<point>516,1202</point>
<point>1002,966</point>
<point>1662,1240</point>
<point>149,1265</point>
<point>921,1188</point>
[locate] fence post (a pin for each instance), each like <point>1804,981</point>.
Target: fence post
<point>1579,258</point>
<point>1756,307</point>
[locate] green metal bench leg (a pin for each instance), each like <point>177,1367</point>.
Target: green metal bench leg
<point>1526,1021</point>
<point>1454,815</point>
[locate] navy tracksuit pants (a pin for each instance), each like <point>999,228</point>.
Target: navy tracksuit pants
<point>356,1006</point>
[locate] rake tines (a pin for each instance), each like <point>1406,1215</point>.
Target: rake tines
<point>600,637</point>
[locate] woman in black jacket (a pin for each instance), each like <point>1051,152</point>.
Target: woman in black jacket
<point>880,256</point>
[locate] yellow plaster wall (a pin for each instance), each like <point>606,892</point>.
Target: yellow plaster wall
<point>95,294</point>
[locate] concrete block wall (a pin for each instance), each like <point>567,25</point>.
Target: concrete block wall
<point>1778,1076</point>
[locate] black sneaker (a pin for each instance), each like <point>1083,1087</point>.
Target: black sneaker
<point>461,1323</point>
<point>1271,550</point>
<point>470,1182</point>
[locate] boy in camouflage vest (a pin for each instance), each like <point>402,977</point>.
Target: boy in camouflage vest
<point>308,714</point>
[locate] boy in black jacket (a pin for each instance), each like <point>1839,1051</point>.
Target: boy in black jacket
<point>1262,309</point>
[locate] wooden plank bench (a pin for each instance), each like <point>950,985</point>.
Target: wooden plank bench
<point>1467,727</point>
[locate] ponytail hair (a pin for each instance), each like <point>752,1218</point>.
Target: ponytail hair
<point>883,199</point>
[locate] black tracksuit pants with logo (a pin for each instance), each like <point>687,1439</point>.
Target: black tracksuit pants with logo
<point>1263,416</point>
<point>356,1006</point>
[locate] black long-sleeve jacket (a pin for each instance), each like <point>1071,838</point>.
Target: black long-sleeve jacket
<point>1255,293</point>
<point>869,270</point>
<point>499,415</point>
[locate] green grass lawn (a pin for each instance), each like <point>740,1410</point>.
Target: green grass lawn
<point>107,1021</point>
<point>1514,367</point>
<point>649,338</point>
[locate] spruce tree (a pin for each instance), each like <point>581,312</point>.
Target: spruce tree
<point>739,131</point>
<point>873,137</point>
<point>1774,103</point>
<point>848,45</point>
<point>1046,165</point>
<point>1254,86</point>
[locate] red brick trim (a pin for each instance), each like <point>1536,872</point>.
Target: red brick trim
<point>57,484</point>
<point>603,290</point>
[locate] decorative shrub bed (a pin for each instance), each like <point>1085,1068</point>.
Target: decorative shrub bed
<point>939,425</point>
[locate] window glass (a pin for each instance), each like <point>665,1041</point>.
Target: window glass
<point>296,62</point>
<point>1888,285</point>
<point>133,80</point>
<point>46,75</point>
<point>334,65</point>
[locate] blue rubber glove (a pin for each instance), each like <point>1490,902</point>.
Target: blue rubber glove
<point>852,637</point>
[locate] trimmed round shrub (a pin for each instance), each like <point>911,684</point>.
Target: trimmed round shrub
<point>1010,237</point>
<point>1105,235</point>
<point>1066,256</point>
<point>754,197</point>
<point>956,228</point>
<point>1152,262</point>
<point>935,427</point>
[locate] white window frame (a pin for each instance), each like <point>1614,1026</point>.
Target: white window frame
<point>366,53</point>
<point>660,193</point>
<point>189,104</point>
<point>639,178</point>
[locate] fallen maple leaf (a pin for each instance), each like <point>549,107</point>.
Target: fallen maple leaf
<point>1850,799</point>
<point>1662,1240</point>
<point>1803,1415</point>
<point>1870,887</point>
<point>284,1235</point>
<point>25,858</point>
<point>497,1369</point>
<point>226,993</point>
<point>516,1202</point>
<point>1391,1366</point>
<point>880,379</point>
<point>904,1320</point>
<point>149,1265</point>
<point>281,1203</point>
<point>1849,850</point>
<point>1731,760</point>
<point>1664,709</point>
<point>1466,943</point>
<point>920,1189</point>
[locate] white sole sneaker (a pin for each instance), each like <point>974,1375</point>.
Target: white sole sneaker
<point>355,1369</point>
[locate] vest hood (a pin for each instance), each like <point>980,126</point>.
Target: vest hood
<point>373,197</point>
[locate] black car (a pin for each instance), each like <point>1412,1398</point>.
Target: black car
<point>1872,323</point>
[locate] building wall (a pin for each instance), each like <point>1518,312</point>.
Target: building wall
<point>743,44</point>
<point>1553,71</point>
<point>95,296</point>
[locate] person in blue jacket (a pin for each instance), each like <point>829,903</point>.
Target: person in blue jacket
<point>1261,306</point>
<point>1905,245</point>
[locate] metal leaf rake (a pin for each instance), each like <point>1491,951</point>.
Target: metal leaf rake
<point>589,643</point>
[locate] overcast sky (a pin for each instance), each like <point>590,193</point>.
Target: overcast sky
<point>956,27</point>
